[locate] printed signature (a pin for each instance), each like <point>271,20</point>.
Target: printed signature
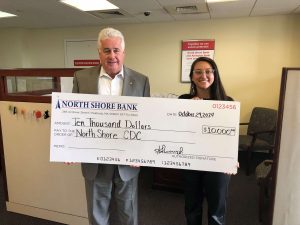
<point>162,149</point>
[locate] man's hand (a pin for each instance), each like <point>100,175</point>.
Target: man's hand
<point>71,163</point>
<point>135,166</point>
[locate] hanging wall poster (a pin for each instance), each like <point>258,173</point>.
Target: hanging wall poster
<point>191,50</point>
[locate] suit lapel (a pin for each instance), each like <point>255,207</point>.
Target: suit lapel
<point>129,83</point>
<point>95,79</point>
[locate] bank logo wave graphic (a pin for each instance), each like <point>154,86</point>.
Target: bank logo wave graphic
<point>57,106</point>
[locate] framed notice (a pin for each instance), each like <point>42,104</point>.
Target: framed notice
<point>191,50</point>
<point>79,53</point>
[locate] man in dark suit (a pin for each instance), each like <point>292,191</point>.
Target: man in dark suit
<point>102,180</point>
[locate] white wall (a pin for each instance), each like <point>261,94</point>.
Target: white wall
<point>12,47</point>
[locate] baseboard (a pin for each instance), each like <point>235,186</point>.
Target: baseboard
<point>46,214</point>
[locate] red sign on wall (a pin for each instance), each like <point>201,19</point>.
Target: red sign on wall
<point>198,45</point>
<point>86,62</point>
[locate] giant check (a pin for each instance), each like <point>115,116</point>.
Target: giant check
<point>156,132</point>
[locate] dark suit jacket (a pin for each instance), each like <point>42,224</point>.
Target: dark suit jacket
<point>135,84</point>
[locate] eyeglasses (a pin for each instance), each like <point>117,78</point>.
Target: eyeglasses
<point>202,72</point>
<point>107,51</point>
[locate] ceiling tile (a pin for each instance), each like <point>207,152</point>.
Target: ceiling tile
<point>231,9</point>
<point>274,7</point>
<point>52,13</point>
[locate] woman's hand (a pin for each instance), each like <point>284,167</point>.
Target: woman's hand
<point>230,173</point>
<point>197,98</point>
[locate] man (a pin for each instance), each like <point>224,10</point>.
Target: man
<point>111,78</point>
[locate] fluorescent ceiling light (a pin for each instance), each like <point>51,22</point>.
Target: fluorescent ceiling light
<point>90,5</point>
<point>4,14</point>
<point>212,1</point>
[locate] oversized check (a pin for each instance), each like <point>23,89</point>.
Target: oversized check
<point>156,132</point>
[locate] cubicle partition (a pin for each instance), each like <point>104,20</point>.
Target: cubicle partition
<point>33,185</point>
<point>286,179</point>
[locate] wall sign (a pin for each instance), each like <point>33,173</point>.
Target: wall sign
<point>79,53</point>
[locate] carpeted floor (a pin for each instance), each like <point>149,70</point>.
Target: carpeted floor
<point>158,207</point>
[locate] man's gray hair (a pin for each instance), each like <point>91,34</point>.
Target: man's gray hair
<point>110,33</point>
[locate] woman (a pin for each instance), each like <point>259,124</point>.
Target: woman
<point>205,84</point>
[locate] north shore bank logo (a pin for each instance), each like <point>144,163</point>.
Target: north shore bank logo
<point>78,104</point>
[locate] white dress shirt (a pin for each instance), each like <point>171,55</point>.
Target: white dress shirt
<point>109,86</point>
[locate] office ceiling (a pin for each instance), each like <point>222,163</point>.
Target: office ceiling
<point>52,13</point>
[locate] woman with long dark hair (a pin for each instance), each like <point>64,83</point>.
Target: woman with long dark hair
<point>205,85</point>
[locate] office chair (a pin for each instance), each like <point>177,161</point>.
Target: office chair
<point>264,174</point>
<point>260,133</point>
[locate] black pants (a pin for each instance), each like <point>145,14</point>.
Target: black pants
<point>213,186</point>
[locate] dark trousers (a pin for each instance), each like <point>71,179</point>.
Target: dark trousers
<point>99,194</point>
<point>213,186</point>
